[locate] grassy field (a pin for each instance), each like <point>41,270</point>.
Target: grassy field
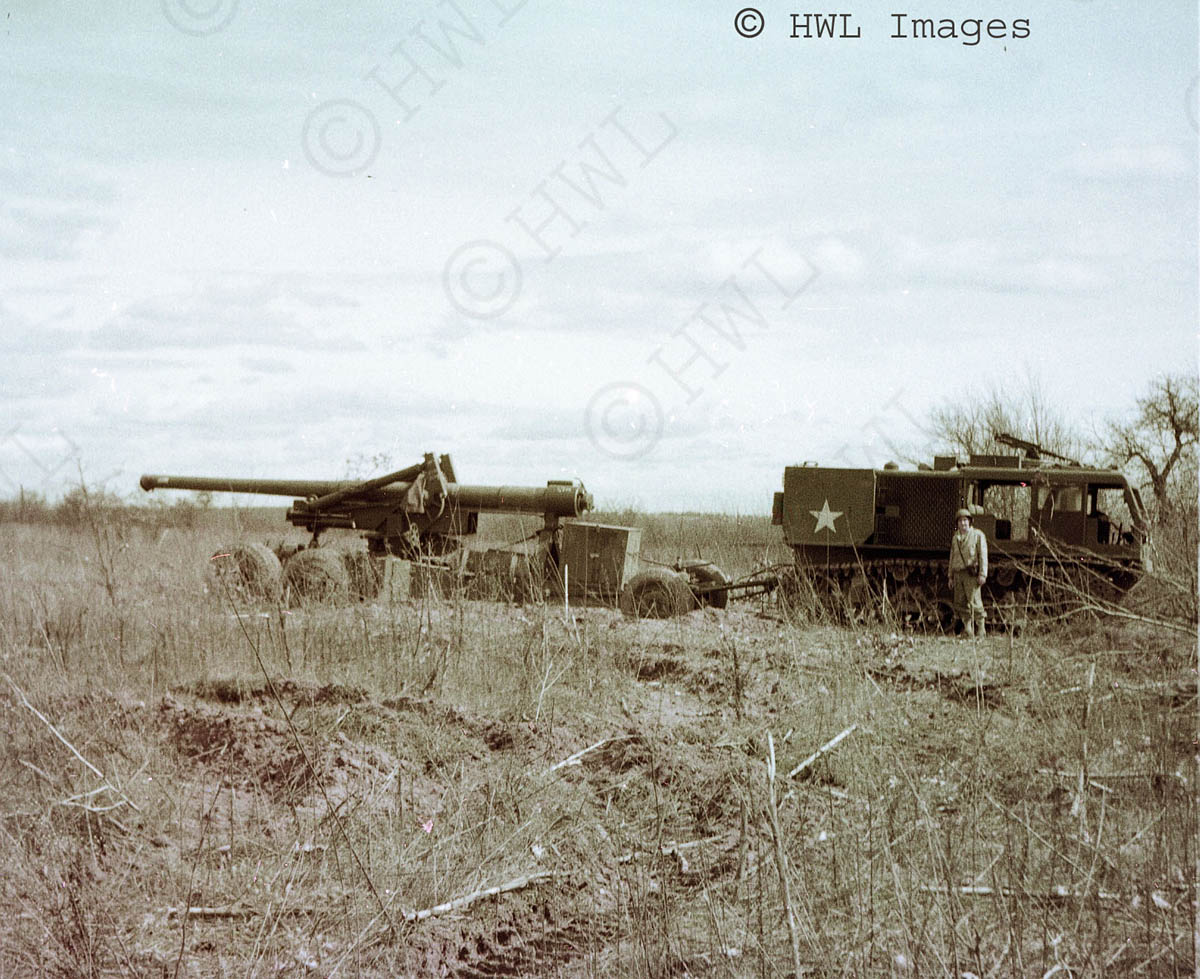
<point>195,786</point>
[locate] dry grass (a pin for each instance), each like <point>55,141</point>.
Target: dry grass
<point>306,780</point>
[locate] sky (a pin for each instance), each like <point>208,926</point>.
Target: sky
<point>621,243</point>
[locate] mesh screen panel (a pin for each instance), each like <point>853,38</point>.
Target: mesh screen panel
<point>926,509</point>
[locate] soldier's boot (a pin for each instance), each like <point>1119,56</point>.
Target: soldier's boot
<point>979,630</point>
<point>969,627</point>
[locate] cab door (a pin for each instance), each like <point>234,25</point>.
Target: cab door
<point>1058,511</point>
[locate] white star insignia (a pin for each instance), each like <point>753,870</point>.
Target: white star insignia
<point>825,518</point>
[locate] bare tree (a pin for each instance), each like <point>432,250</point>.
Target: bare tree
<point>1162,436</point>
<point>969,424</point>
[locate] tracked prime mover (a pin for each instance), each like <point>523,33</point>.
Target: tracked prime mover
<point>876,535</point>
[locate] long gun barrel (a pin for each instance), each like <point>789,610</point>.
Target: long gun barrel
<point>560,498</point>
<point>419,500</point>
<point>1032,450</point>
<point>299,488</point>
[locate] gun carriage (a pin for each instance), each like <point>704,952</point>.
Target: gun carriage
<point>421,517</point>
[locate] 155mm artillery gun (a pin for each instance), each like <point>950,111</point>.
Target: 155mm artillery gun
<point>417,511</point>
<point>420,513</point>
<point>420,522</point>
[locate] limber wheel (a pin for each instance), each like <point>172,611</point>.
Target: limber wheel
<point>657,594</point>
<point>316,575</point>
<point>247,571</point>
<point>704,573</point>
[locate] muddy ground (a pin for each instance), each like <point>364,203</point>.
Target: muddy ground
<point>262,791</point>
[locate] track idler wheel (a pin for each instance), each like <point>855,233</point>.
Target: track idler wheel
<point>860,600</point>
<point>910,608</point>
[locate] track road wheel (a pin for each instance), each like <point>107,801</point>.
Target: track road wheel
<point>524,586</point>
<point>911,609</point>
<point>657,594</point>
<point>860,600</point>
<point>1008,610</point>
<point>246,571</point>
<point>316,575</point>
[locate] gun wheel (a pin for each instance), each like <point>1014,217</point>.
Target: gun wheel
<point>316,575</point>
<point>657,594</point>
<point>247,571</point>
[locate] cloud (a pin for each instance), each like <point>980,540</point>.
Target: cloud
<point>48,230</point>
<point>230,310</point>
<point>1146,161</point>
<point>539,427</point>
<point>22,334</point>
<point>988,264</point>
<point>48,206</point>
<point>266,365</point>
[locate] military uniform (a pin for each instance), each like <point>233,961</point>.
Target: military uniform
<point>968,563</point>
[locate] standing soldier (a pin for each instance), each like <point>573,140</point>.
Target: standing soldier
<point>968,572</point>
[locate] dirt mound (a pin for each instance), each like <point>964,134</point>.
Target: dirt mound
<point>618,755</point>
<point>234,691</point>
<point>507,736</point>
<point>539,933</point>
<point>661,668</point>
<point>953,684</point>
<point>249,747</point>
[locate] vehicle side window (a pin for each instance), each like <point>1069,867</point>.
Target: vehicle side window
<point>1068,499</point>
<point>1010,503</point>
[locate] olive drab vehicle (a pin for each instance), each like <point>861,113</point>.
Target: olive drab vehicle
<point>875,536</point>
<point>420,525</point>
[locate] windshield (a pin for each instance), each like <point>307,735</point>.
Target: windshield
<point>1133,500</point>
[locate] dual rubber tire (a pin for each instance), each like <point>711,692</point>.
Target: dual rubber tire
<point>246,571</point>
